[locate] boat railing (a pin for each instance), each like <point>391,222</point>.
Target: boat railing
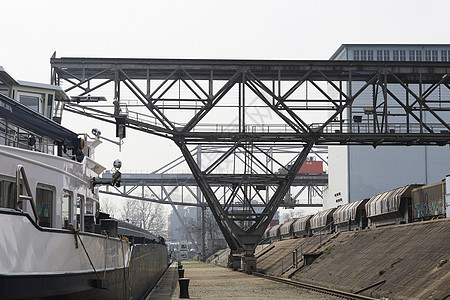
<point>20,174</point>
<point>18,137</point>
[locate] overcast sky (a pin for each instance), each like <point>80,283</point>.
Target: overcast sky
<point>32,30</point>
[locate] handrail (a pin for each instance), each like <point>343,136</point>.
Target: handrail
<point>295,259</point>
<point>19,197</point>
<point>294,253</point>
<point>326,226</point>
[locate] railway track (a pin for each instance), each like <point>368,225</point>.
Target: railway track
<point>311,287</point>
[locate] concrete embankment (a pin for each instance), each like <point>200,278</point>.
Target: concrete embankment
<point>410,261</point>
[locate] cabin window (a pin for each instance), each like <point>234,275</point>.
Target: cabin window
<point>30,100</point>
<point>49,106</point>
<point>89,207</point>
<point>80,212</point>
<point>66,211</point>
<point>89,219</point>
<point>7,193</point>
<point>44,206</point>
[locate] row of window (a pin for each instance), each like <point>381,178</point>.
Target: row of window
<point>44,201</point>
<point>402,55</point>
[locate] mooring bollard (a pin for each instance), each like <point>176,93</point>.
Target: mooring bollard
<point>184,287</point>
<point>180,273</point>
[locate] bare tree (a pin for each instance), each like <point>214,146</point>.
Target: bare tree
<point>151,216</point>
<point>211,227</point>
<point>108,207</point>
<point>128,211</point>
<point>147,215</point>
<point>296,213</point>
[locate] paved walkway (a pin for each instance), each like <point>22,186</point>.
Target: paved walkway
<point>211,282</point>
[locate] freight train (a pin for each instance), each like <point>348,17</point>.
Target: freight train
<point>406,204</point>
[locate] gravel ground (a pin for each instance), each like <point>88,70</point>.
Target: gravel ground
<point>211,282</point>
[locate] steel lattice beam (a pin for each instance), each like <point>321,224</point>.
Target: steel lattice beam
<point>352,103</point>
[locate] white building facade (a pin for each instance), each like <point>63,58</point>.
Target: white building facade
<point>358,172</point>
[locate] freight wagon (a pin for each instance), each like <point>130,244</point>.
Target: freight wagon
<point>351,216</point>
<point>391,207</point>
<point>428,202</point>
<point>286,230</point>
<point>322,222</point>
<point>401,205</point>
<point>302,227</point>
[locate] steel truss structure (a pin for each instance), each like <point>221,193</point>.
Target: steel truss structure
<point>152,186</point>
<point>165,184</point>
<point>247,105</point>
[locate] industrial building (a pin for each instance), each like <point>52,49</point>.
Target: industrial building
<point>358,172</point>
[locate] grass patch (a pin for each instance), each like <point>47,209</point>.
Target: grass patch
<point>395,262</point>
<point>327,251</point>
<point>195,264</point>
<point>398,260</point>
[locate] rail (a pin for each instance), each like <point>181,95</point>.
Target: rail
<point>315,288</point>
<point>19,196</point>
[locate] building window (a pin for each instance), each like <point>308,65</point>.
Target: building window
<point>66,209</point>
<point>444,55</point>
<point>403,55</point>
<point>434,55</point>
<point>419,55</point>
<point>412,57</point>
<point>427,55</point>
<point>356,54</point>
<point>395,55</point>
<point>363,55</point>
<point>379,55</point>
<point>387,55</point>
<point>44,206</point>
<point>370,55</point>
